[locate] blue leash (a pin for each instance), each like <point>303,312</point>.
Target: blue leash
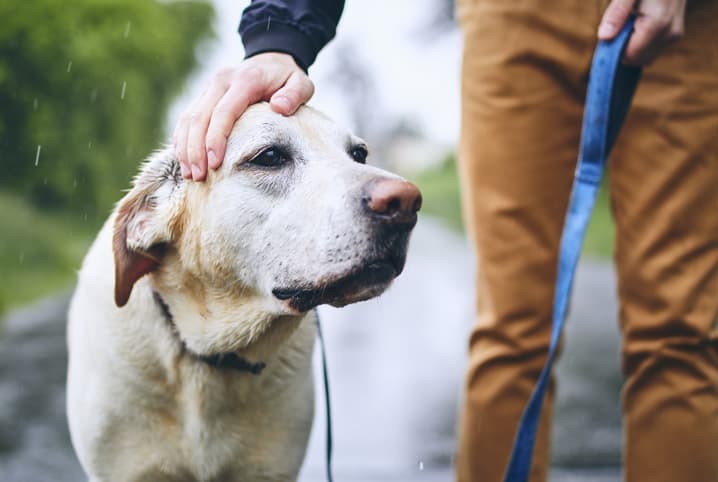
<point>610,90</point>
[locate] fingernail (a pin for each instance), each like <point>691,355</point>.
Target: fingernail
<point>211,158</point>
<point>195,172</point>
<point>184,171</point>
<point>606,29</point>
<point>282,103</point>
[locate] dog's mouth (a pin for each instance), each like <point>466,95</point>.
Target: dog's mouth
<point>363,283</point>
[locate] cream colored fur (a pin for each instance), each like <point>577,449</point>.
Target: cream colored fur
<point>140,408</point>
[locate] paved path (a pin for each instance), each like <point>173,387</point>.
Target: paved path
<point>395,365</point>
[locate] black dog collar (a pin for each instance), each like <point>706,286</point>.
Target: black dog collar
<point>219,360</point>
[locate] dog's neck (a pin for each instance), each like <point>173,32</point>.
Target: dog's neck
<point>214,322</point>
<point>229,360</point>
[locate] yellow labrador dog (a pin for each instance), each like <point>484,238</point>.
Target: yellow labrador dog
<point>192,327</point>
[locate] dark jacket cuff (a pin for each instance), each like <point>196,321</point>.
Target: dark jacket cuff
<point>279,37</point>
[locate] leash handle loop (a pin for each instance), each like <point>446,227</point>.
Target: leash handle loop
<point>610,89</point>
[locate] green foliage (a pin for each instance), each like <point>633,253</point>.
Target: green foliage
<point>40,252</point>
<point>440,189</point>
<point>88,84</point>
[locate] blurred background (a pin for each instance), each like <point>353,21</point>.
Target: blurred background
<point>89,88</point>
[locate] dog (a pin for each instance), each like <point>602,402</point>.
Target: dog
<point>191,330</point>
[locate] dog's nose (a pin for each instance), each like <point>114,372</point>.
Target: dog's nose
<point>392,199</point>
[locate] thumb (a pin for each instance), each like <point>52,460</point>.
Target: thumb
<point>614,18</point>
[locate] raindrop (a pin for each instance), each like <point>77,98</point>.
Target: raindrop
<point>89,144</point>
<point>421,465</point>
<point>22,257</point>
<point>124,87</point>
<point>37,154</point>
<point>69,66</point>
<point>34,104</point>
<point>74,183</point>
<point>128,26</point>
<point>93,95</point>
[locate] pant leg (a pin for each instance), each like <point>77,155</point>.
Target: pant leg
<point>523,80</point>
<point>664,183</point>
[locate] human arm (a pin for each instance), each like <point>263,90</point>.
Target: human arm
<point>281,39</point>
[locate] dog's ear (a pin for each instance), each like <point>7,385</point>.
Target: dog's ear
<point>143,226</point>
<point>136,249</point>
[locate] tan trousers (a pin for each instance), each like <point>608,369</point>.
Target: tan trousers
<point>525,69</point>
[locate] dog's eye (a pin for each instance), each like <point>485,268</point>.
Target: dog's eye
<point>272,157</point>
<point>359,154</point>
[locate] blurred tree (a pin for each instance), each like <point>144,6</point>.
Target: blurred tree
<point>442,18</point>
<point>84,90</point>
<point>354,82</point>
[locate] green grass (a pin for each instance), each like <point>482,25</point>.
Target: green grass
<point>600,232</point>
<point>40,252</point>
<point>440,189</point>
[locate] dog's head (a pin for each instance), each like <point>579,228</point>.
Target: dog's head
<point>294,217</point>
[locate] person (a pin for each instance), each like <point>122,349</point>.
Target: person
<point>524,74</point>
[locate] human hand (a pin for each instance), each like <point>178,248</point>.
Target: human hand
<point>658,24</point>
<point>200,137</point>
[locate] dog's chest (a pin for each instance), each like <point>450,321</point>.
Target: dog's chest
<point>213,425</point>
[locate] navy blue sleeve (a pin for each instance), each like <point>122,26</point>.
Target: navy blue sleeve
<point>300,28</point>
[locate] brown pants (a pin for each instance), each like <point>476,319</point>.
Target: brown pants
<point>524,77</point>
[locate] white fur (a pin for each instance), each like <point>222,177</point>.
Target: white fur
<point>140,408</point>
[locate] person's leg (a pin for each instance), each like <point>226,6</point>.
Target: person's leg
<point>664,183</point>
<point>524,77</point>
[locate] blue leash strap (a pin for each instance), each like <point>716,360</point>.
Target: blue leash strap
<point>610,89</point>
<point>327,402</point>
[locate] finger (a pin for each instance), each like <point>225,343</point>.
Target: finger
<point>647,41</point>
<point>197,130</point>
<point>614,18</point>
<point>296,91</point>
<point>180,137</point>
<point>225,114</point>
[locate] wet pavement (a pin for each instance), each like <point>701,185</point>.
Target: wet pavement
<point>396,367</point>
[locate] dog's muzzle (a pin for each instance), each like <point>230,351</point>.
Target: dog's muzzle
<point>392,206</point>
